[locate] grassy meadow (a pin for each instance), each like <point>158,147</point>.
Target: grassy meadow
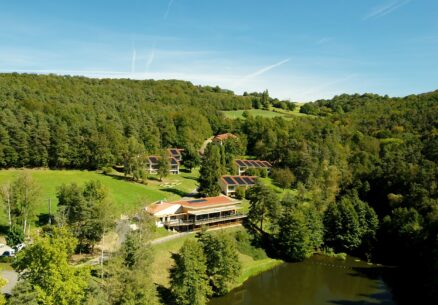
<point>272,113</point>
<point>163,260</point>
<point>126,195</point>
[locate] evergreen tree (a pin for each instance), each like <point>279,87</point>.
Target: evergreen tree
<point>265,100</point>
<point>342,227</point>
<point>223,266</point>
<point>210,171</point>
<point>294,239</point>
<point>163,169</point>
<point>190,158</point>
<point>262,203</point>
<point>188,277</point>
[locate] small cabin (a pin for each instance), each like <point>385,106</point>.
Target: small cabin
<point>176,153</point>
<point>244,165</point>
<point>153,165</point>
<point>229,184</point>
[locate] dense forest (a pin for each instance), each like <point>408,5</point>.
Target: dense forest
<point>367,164</point>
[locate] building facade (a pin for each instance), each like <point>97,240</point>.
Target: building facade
<point>192,214</point>
<point>244,165</point>
<point>229,184</point>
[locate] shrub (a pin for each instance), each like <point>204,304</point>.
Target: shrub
<point>240,192</point>
<point>107,170</point>
<point>15,235</point>
<point>245,246</point>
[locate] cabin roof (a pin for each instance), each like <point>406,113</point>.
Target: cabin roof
<point>253,163</point>
<point>224,136</point>
<point>239,180</point>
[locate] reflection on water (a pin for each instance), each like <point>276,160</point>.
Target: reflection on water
<point>318,280</point>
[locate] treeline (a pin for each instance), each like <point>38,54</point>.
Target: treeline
<point>77,122</point>
<point>382,149</point>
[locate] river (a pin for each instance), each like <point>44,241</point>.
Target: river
<point>316,281</point>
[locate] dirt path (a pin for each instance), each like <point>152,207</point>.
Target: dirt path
<point>12,278</point>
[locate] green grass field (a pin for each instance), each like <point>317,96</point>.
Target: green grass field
<point>126,195</point>
<point>163,261</point>
<point>272,113</point>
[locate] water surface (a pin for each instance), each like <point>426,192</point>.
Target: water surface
<point>316,281</point>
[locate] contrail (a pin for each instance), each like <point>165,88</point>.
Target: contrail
<point>263,70</point>
<point>168,10</point>
<point>386,9</point>
<point>134,57</point>
<point>151,57</point>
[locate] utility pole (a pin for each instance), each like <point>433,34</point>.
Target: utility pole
<point>50,211</point>
<point>9,204</point>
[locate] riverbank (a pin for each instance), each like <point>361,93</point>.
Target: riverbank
<point>163,260</point>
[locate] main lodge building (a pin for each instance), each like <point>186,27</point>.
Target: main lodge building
<point>191,214</point>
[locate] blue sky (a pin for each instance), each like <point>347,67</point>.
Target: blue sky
<point>298,50</point>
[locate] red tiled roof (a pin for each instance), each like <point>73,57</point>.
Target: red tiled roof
<point>224,136</point>
<point>158,206</point>
<point>205,202</point>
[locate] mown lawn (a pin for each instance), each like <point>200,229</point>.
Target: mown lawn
<point>272,113</point>
<point>163,260</point>
<point>126,195</point>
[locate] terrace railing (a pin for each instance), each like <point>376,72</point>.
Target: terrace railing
<point>184,222</point>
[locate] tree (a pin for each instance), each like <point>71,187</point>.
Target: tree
<point>127,278</point>
<point>210,171</point>
<point>44,266</point>
<point>163,167</point>
<point>262,203</point>
<point>265,100</point>
<point>283,177</point>
<point>15,235</point>
<point>7,199</point>
<point>294,239</point>
<point>190,158</point>
<point>87,210</point>
<point>131,152</point>
<point>342,227</point>
<point>23,294</point>
<point>223,266</point>
<point>188,277</point>
<point>25,194</point>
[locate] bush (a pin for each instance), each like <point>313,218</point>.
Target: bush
<point>240,192</point>
<point>245,246</point>
<point>283,177</point>
<point>107,170</point>
<point>15,235</point>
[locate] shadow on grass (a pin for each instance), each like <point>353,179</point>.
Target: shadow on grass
<point>4,229</point>
<point>165,295</point>
<point>44,218</point>
<point>174,191</point>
